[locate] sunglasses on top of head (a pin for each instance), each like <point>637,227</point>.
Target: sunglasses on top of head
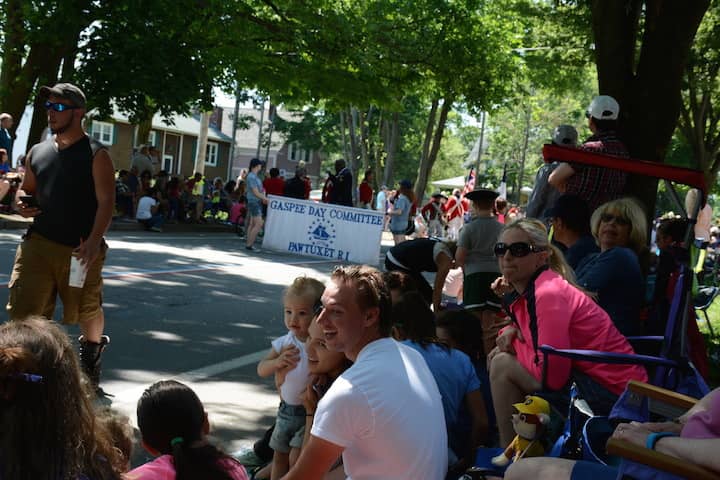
<point>609,217</point>
<point>58,107</point>
<point>517,249</point>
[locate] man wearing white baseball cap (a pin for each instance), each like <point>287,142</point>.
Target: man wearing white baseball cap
<point>596,185</point>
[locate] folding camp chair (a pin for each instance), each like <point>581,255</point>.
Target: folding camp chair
<point>641,463</point>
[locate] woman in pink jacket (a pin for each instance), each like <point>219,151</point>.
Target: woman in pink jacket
<point>548,309</point>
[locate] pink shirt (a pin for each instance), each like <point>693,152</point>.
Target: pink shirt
<point>162,468</point>
<point>569,319</point>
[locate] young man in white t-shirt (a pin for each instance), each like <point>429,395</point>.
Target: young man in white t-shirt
<point>148,211</point>
<point>384,414</point>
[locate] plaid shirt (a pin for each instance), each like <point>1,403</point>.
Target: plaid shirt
<point>597,185</point>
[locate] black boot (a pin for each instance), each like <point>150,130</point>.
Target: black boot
<point>90,360</point>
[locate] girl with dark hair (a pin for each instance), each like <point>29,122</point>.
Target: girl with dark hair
<point>48,429</point>
<point>454,373</point>
<point>174,425</point>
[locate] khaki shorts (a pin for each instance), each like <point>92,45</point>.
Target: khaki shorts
<point>41,273</point>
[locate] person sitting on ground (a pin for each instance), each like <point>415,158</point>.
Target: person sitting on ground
<point>549,309</point>
<point>570,217</point>
<point>288,361</point>
<point>148,211</point>
<point>46,409</point>
<point>463,404</point>
<point>398,284</point>
<point>121,432</point>
<point>5,166</point>
<point>596,185</point>
<point>325,366</point>
<point>460,330</point>
<point>123,195</point>
<point>615,274</point>
<point>401,211</point>
<point>545,195</point>
<point>423,255</point>
<point>693,437</point>
<point>383,414</point>
<point>480,267</point>
<point>174,427</point>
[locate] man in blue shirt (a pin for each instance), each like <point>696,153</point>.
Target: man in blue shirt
<point>6,139</point>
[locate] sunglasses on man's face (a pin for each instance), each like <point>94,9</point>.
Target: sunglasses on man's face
<point>58,107</point>
<point>517,249</point>
<point>609,217</point>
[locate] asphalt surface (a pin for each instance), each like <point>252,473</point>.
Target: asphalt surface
<point>196,307</point>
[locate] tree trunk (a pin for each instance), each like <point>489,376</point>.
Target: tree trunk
<point>352,162</point>
<point>378,153</point>
<point>344,130</point>
<point>202,142</point>
<point>523,156</point>
<point>428,161</point>
<point>13,49</point>
<point>393,137</point>
<point>144,128</point>
<point>649,92</point>
<point>364,138</point>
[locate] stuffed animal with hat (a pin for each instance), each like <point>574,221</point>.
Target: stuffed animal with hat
<point>529,424</point>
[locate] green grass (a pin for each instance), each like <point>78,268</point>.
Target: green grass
<point>713,344</point>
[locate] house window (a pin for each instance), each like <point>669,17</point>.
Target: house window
<point>152,138</point>
<point>296,153</point>
<point>211,154</point>
<point>103,132</point>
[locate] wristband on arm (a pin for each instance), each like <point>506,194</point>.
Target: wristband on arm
<point>655,437</point>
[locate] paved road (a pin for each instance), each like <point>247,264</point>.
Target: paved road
<point>194,307</point>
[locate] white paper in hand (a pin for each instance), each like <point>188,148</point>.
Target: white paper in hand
<point>77,273</point>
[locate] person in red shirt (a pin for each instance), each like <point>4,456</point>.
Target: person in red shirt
<point>433,214</point>
<point>274,185</point>
<point>455,209</point>
<point>365,191</point>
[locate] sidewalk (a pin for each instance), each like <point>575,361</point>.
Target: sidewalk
<point>16,222</point>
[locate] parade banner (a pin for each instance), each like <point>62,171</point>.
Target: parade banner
<point>323,230</point>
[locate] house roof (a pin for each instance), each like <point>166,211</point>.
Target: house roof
<point>248,137</point>
<point>188,125</point>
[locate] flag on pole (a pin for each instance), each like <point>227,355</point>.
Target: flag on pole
<point>503,183</point>
<point>470,183</point>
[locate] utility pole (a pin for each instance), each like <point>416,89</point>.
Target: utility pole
<point>480,146</point>
<point>234,134</point>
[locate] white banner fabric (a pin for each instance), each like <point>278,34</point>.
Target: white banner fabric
<point>323,230</point>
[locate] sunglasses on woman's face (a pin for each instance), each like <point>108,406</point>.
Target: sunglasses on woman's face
<point>517,249</point>
<point>609,217</point>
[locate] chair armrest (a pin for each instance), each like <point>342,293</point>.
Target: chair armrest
<point>608,357</point>
<point>658,460</point>
<point>646,338</point>
<point>663,395</point>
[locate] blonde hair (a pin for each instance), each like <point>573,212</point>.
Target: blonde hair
<point>633,212</point>
<point>306,288</point>
<point>538,234</point>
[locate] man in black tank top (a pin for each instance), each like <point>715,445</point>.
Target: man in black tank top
<point>70,180</point>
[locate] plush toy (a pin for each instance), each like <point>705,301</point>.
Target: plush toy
<point>529,424</point>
